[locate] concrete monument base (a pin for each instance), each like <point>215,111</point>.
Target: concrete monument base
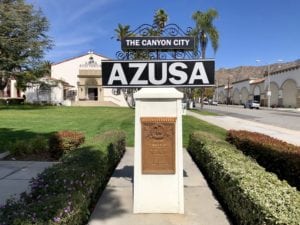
<point>158,162</point>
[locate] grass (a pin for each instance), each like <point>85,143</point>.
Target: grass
<point>26,121</point>
<point>23,122</point>
<point>191,124</point>
<point>204,112</point>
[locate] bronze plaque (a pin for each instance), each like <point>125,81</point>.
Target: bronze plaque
<point>158,145</point>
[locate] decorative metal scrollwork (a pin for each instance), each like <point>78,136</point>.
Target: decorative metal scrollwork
<point>170,30</point>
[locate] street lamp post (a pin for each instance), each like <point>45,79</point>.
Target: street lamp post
<point>269,93</point>
<point>269,88</point>
<point>228,91</point>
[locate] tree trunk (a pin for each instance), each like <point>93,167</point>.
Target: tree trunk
<point>202,89</point>
<point>3,84</point>
<point>202,96</point>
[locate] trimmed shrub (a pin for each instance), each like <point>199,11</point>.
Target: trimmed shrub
<point>251,195</point>
<point>65,141</point>
<point>113,150</point>
<point>63,194</point>
<point>275,155</point>
<point>34,145</point>
<point>15,101</point>
<point>3,102</point>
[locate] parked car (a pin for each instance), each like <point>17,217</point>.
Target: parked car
<point>252,104</point>
<point>214,103</point>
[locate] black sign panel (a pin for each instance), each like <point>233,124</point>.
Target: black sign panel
<point>157,73</point>
<point>158,43</point>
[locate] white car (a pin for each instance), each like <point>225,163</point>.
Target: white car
<point>251,104</point>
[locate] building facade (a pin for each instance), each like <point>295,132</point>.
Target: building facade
<point>84,74</point>
<point>282,87</point>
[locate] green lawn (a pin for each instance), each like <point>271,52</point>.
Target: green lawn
<point>204,112</point>
<point>24,122</point>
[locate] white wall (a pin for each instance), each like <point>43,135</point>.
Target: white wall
<point>280,78</point>
<point>56,95</point>
<point>117,99</point>
<point>68,70</point>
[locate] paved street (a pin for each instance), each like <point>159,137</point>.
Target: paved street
<point>285,118</point>
<point>230,122</point>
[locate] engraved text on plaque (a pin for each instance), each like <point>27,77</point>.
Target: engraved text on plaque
<point>158,145</point>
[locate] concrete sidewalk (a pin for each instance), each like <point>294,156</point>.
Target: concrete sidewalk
<point>15,177</point>
<point>228,122</point>
<point>115,206</point>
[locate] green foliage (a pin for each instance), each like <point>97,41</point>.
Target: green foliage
<point>204,113</point>
<point>205,30</point>
<point>34,145</point>
<point>15,101</point>
<point>26,121</point>
<point>63,193</point>
<point>3,102</point>
<point>62,142</point>
<point>192,124</point>
<point>160,20</point>
<point>275,155</point>
<point>23,38</point>
<point>252,195</point>
<point>122,31</point>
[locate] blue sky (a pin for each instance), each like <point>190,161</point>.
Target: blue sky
<point>249,30</point>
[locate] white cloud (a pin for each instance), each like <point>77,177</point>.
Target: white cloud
<point>69,41</point>
<point>87,7</point>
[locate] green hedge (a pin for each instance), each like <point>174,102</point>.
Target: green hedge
<point>63,194</point>
<point>275,155</point>
<point>251,195</point>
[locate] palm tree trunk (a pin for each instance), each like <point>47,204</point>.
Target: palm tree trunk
<point>202,89</point>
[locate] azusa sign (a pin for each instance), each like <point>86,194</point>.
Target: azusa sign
<point>185,73</point>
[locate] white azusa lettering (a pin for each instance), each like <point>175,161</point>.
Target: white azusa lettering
<point>186,73</point>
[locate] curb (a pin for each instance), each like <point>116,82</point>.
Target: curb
<point>4,154</point>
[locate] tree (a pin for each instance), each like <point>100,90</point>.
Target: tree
<point>160,20</point>
<point>23,39</point>
<point>29,76</point>
<point>123,31</point>
<point>204,32</point>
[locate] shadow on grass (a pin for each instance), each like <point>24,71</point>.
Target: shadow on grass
<point>25,107</point>
<point>8,135</point>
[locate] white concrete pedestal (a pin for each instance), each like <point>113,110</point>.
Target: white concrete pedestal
<point>158,193</point>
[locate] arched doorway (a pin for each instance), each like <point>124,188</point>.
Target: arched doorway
<point>256,93</point>
<point>91,89</point>
<point>289,93</point>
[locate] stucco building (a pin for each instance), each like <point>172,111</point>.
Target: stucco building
<point>284,89</point>
<point>79,83</point>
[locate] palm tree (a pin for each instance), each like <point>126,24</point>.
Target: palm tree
<point>46,68</point>
<point>204,32</point>
<point>123,31</point>
<point>160,20</point>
